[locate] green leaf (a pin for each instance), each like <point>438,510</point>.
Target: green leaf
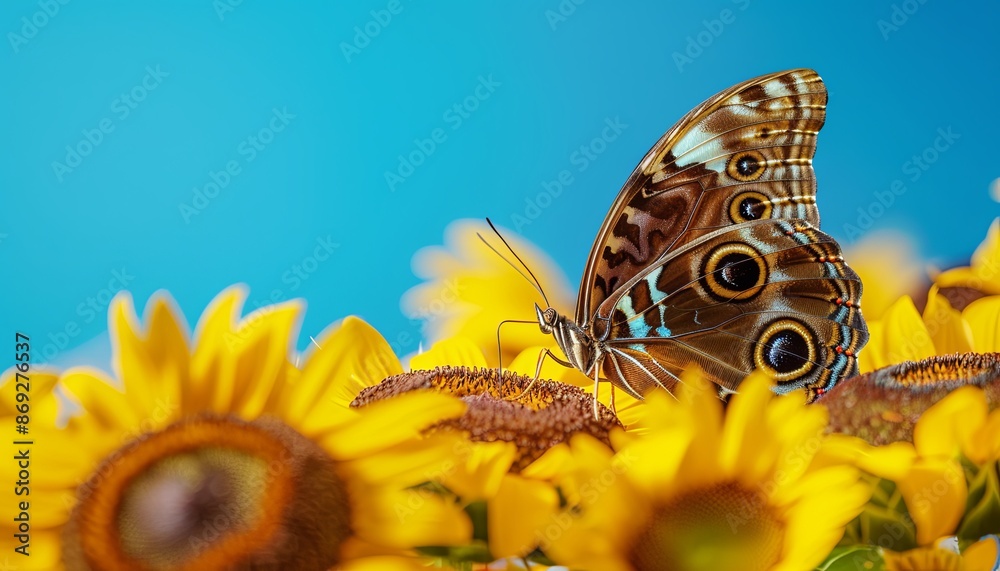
<point>982,515</point>
<point>852,558</point>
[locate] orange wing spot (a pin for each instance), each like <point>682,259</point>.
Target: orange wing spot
<point>839,301</point>
<point>839,349</point>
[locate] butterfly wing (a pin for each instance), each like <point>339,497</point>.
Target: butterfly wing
<point>774,295</point>
<point>745,154</point>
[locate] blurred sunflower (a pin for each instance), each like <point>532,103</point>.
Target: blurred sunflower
<point>707,489</point>
<point>222,454</point>
<point>982,275</point>
<point>889,268</point>
<point>506,429</point>
<point>459,298</point>
<point>945,483</point>
<point>462,278</point>
<point>961,312</point>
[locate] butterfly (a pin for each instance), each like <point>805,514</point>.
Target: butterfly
<point>711,254</point>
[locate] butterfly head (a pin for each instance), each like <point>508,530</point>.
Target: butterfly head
<point>547,318</point>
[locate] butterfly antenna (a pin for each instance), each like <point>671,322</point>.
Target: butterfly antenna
<point>533,279</point>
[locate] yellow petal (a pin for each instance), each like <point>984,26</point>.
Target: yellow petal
<point>935,492</point>
<point>385,423</point>
<point>262,358</point>
<point>891,461</point>
<point>469,290</point>
<point>350,357</point>
<point>37,385</point>
<point>405,518</point>
<point>746,422</point>
<point>984,446</point>
<point>949,426</point>
<point>889,268</point>
<point>107,406</point>
<point>518,514</point>
<point>152,362</point>
<point>874,356</point>
<point>949,332</point>
<point>984,555</point>
<point>383,563</point>
<point>454,351</point>
<point>983,316</point>
<point>479,469</point>
<point>906,336</point>
<point>215,330</point>
<point>984,272</point>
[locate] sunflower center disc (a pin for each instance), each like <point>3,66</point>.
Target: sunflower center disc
<point>725,526</point>
<point>211,493</point>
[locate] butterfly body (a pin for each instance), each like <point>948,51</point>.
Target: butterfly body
<point>711,254</point>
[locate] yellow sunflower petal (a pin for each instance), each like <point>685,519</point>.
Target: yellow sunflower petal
<point>935,492</point>
<point>906,336</point>
<point>949,332</point>
<point>151,359</point>
<point>984,555</point>
<point>746,422</point>
<point>37,385</point>
<point>454,351</point>
<point>383,563</point>
<point>949,426</point>
<point>215,329</point>
<point>984,272</point>
<point>106,406</point>
<point>874,356</point>
<point>350,357</point>
<point>265,341</point>
<point>469,290</point>
<point>891,461</point>
<point>518,513</point>
<point>405,518</point>
<point>983,316</point>
<point>480,468</point>
<point>984,446</point>
<point>888,266</point>
<point>388,422</point>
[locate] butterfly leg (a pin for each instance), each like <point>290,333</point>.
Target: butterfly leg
<point>597,385</point>
<point>546,352</point>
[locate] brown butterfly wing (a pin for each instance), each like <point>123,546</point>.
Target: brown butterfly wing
<point>773,295</point>
<point>744,154</point>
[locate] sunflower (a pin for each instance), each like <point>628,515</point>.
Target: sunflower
<point>707,488</point>
<point>493,481</point>
<point>459,295</point>
<point>904,334</point>
<point>982,275</point>
<point>245,460</point>
<point>944,483</point>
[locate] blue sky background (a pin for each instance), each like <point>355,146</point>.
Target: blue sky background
<point>308,128</point>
